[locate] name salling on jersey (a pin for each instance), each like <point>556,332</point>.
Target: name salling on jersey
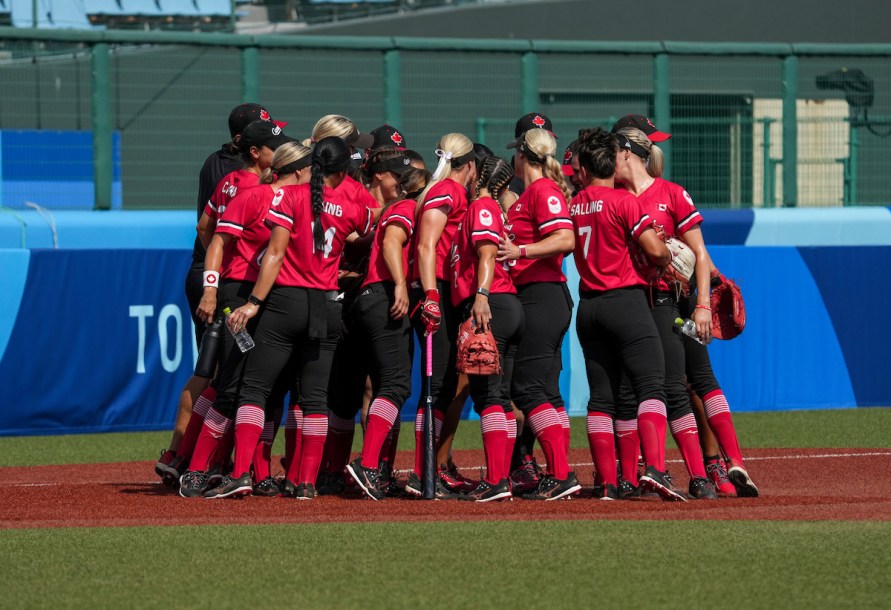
<point>586,207</point>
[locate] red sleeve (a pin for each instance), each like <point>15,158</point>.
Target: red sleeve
<point>634,218</point>
<point>549,211</point>
<point>402,215</point>
<point>686,216</point>
<point>438,198</point>
<point>364,220</point>
<point>217,200</point>
<point>281,212</point>
<point>239,213</point>
<point>485,222</point>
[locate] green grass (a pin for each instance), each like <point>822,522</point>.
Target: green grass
<point>453,565</point>
<point>838,428</point>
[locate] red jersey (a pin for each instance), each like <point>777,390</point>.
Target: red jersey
<point>482,224</point>
<point>227,189</point>
<point>243,219</point>
<point>450,197</point>
<point>670,206</point>
<point>353,190</point>
<point>401,213</point>
<point>606,221</point>
<point>302,265</point>
<point>539,211</point>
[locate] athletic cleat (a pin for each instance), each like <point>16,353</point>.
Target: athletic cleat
<point>232,487</point>
<point>745,488</point>
<point>454,480</point>
<point>441,492</point>
<point>413,485</point>
<point>486,492</point>
<point>288,488</point>
<point>369,479</point>
<point>527,477</point>
<point>717,474</point>
<point>660,482</point>
<point>330,483</point>
<point>552,488</point>
<point>215,476</point>
<point>305,491</point>
<point>192,484</point>
<point>626,491</point>
<point>608,491</point>
<point>702,489</point>
<point>267,488</point>
<point>167,457</point>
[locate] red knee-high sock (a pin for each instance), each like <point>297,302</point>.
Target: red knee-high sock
<point>603,446</point>
<point>381,415</point>
<point>214,428</point>
<point>263,452</point>
<point>717,412</point>
<point>511,422</point>
<point>564,421</point>
<point>202,405</point>
<point>338,443</point>
<point>545,424</point>
<point>391,444</point>
<point>686,435</point>
<point>315,429</point>
<point>293,428</point>
<point>629,447</point>
<point>494,429</point>
<point>249,422</point>
<point>224,449</point>
<point>651,425</point>
<point>438,416</point>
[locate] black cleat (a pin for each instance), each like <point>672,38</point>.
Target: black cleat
<point>702,489</point>
<point>552,488</point>
<point>486,492</point>
<point>232,487</point>
<point>192,484</point>
<point>267,488</point>
<point>369,479</point>
<point>305,491</point>
<point>608,491</point>
<point>745,488</point>
<point>660,482</point>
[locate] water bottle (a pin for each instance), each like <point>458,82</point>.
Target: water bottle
<point>688,327</point>
<point>242,337</point>
<point>210,350</point>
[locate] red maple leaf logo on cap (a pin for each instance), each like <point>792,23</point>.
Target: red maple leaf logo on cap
<point>567,157</point>
<point>650,123</point>
<point>396,137</point>
<point>264,115</point>
<point>538,121</point>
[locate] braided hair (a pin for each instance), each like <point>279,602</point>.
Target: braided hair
<point>495,174</point>
<point>329,156</point>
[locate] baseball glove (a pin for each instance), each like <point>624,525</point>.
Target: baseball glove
<point>728,308</point>
<point>683,262</point>
<point>477,351</point>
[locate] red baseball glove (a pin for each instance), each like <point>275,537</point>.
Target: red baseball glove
<point>728,308</point>
<point>477,351</point>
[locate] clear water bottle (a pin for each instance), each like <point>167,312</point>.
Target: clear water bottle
<point>242,338</point>
<point>688,327</point>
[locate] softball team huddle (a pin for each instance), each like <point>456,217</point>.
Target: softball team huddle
<point>331,262</point>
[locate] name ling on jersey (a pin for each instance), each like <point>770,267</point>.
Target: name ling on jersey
<point>332,208</point>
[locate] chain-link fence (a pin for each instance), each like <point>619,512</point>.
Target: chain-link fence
<point>125,119</point>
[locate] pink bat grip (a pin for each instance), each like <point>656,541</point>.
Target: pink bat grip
<point>430,355</point>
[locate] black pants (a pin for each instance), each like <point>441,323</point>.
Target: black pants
<point>547,310</point>
<point>507,328</point>
<point>698,365</point>
<point>664,311</point>
<point>351,366</point>
<point>390,342</point>
<point>282,336</point>
<point>194,288</point>
<point>444,381</point>
<point>617,331</point>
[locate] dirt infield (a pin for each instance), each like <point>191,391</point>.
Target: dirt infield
<point>797,484</point>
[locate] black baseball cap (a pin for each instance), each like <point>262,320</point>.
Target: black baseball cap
<point>568,154</point>
<point>359,140</point>
<point>398,165</point>
<point>533,120</point>
<point>245,114</point>
<point>387,135</point>
<point>639,121</point>
<point>263,133</point>
<point>627,144</point>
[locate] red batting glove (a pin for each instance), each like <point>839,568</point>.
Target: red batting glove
<point>431,314</point>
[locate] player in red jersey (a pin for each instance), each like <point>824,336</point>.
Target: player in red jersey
<point>381,315</point>
<point>441,209</point>
<point>614,324</point>
<point>483,290</point>
<point>672,209</point>
<point>717,433</point>
<point>349,376</point>
<point>297,288</point>
<point>539,233</point>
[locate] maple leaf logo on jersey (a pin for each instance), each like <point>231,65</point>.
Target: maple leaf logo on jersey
<point>485,218</point>
<point>553,204</point>
<point>539,122</point>
<point>663,207</point>
<point>264,116</point>
<point>396,137</point>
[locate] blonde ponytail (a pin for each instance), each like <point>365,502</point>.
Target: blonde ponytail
<point>654,159</point>
<point>543,148</point>
<point>656,163</point>
<point>454,151</point>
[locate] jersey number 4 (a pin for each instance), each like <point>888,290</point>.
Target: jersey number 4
<point>329,238</point>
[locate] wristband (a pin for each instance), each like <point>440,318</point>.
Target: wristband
<point>483,291</point>
<point>522,251</point>
<point>705,307</point>
<point>212,279</point>
<point>254,300</point>
<point>432,295</point>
